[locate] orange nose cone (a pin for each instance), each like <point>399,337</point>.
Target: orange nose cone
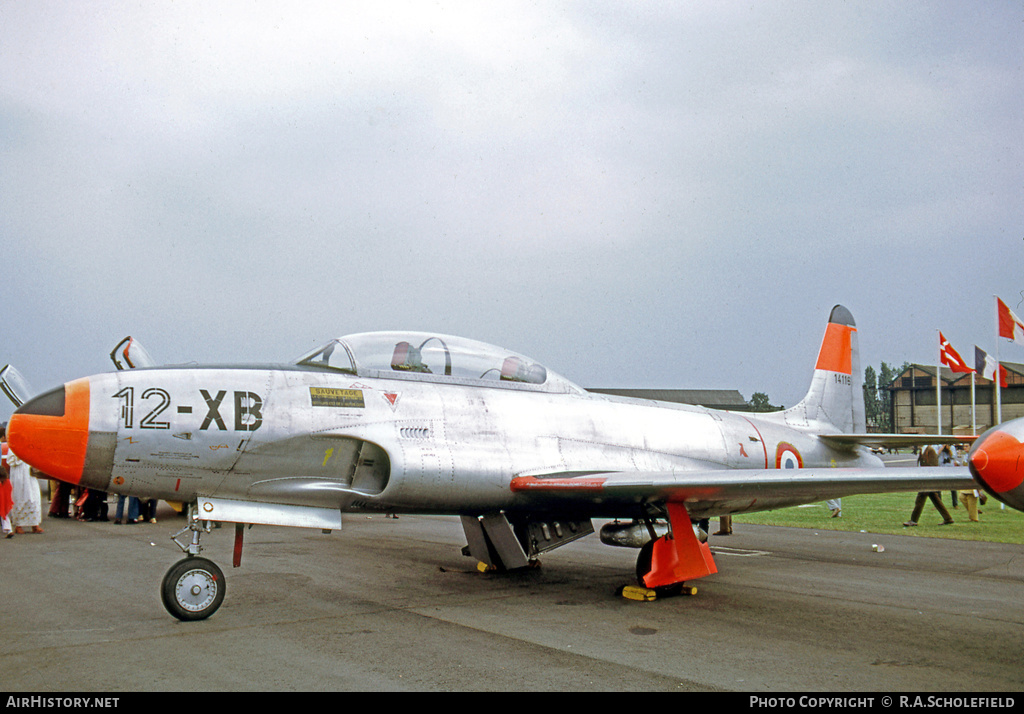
<point>51,431</point>
<point>997,462</point>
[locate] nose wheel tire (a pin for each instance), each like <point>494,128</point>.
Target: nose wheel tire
<point>193,589</point>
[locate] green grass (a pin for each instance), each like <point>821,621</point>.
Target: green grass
<point>886,513</point>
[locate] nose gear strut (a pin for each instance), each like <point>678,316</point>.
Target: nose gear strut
<point>193,588</point>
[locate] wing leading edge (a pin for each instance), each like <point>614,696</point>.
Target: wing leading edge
<point>720,492</point>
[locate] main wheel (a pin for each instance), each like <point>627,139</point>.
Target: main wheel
<point>193,589</point>
<point>643,562</point>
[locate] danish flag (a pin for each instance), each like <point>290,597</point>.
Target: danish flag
<point>950,357</point>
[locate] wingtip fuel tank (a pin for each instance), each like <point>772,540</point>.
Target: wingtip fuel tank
<point>997,462</point>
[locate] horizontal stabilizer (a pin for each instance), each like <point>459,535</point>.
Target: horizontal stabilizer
<point>895,441</point>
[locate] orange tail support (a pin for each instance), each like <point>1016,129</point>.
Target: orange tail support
<point>679,556</point>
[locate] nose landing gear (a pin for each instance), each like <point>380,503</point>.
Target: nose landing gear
<point>193,588</point>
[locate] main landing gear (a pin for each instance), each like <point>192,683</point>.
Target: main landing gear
<point>194,587</point>
<point>665,563</point>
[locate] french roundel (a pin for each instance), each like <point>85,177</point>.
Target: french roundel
<point>787,457</point>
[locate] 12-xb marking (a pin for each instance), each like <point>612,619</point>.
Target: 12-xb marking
<point>248,409</point>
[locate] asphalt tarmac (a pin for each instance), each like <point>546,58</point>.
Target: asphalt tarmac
<point>392,605</point>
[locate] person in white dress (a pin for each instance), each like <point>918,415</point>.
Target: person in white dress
<point>27,511</point>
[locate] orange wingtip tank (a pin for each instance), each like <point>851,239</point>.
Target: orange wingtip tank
<point>997,462</point>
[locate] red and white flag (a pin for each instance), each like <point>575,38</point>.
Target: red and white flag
<point>985,365</point>
<point>1010,326</point>
<point>950,357</point>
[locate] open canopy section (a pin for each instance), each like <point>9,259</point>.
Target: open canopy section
<point>433,357</point>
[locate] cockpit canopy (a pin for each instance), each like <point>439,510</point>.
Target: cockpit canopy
<point>429,357</point>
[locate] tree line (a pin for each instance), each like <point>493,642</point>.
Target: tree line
<point>878,398</point>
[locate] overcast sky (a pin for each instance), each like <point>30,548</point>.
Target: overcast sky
<point>648,194</point>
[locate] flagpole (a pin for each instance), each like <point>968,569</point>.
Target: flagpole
<point>974,408</point>
<point>999,371</point>
<point>938,383</point>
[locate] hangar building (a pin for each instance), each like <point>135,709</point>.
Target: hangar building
<point>912,404</point>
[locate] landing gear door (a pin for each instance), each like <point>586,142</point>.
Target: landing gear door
<point>15,386</point>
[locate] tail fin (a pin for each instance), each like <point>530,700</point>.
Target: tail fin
<point>836,395</point>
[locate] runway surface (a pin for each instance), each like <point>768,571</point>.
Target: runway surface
<point>391,605</point>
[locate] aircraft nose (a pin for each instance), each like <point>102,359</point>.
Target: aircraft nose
<point>997,462</point>
<point>51,431</point>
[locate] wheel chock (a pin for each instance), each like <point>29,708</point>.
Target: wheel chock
<point>485,568</point>
<point>636,592</point>
<point>642,594</point>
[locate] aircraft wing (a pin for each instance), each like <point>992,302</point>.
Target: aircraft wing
<point>719,492</point>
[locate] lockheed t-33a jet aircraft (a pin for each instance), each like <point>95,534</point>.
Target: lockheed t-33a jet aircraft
<point>433,424</point>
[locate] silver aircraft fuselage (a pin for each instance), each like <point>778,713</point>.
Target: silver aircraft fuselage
<point>303,436</point>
